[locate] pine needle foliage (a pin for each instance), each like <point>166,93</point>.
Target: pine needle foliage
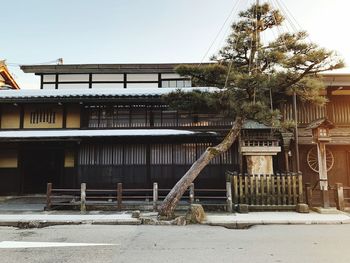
<point>252,74</point>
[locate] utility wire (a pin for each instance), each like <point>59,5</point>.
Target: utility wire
<point>221,28</point>
<point>57,61</point>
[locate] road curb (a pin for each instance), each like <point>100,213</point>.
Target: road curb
<point>247,224</point>
<point>44,223</point>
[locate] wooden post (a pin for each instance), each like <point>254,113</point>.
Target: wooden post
<point>252,195</point>
<point>339,196</point>
<point>300,189</point>
<point>289,189</point>
<point>262,188</point>
<point>119,195</point>
<point>257,197</point>
<point>155,196</point>
<point>268,189</point>
<point>325,198</point>
<point>322,168</point>
<point>278,179</point>
<point>192,193</point>
<point>283,189</point>
<point>48,196</point>
<point>240,182</point>
<point>294,189</point>
<point>229,197</point>
<point>246,189</point>
<point>83,197</point>
<point>235,188</point>
<point>308,194</point>
<point>273,190</point>
<point>286,159</point>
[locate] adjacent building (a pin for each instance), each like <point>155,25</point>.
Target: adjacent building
<point>337,110</point>
<point>6,79</point>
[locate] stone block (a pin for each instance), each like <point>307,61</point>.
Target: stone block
<point>243,208</point>
<point>135,214</point>
<point>302,208</point>
<point>179,221</point>
<point>195,214</point>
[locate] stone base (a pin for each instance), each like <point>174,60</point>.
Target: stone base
<point>322,210</point>
<point>243,209</point>
<point>195,214</point>
<point>135,214</point>
<point>302,208</point>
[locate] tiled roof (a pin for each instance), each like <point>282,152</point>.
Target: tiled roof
<point>252,125</point>
<point>92,93</point>
<point>322,121</point>
<point>105,68</point>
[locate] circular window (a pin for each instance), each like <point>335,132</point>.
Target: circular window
<point>312,159</point>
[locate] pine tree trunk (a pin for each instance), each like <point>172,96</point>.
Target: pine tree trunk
<point>172,199</point>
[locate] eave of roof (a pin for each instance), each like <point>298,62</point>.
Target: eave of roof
<point>103,68</point>
<point>8,77</point>
<point>320,122</point>
<point>90,94</point>
<point>77,134</point>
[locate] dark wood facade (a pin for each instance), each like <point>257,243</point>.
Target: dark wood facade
<point>103,161</point>
<point>337,110</point>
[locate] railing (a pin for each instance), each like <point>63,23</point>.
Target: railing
<point>267,190</point>
<point>157,120</point>
<point>341,195</point>
<point>336,110</point>
<point>121,198</point>
<point>260,143</point>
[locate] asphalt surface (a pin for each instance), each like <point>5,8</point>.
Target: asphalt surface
<point>194,243</point>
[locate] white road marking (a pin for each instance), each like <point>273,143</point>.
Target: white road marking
<point>20,244</point>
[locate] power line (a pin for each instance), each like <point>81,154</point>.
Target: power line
<point>221,28</point>
<point>57,61</point>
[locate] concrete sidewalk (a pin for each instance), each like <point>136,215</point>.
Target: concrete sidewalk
<point>27,219</point>
<point>66,218</point>
<point>29,212</point>
<point>280,218</point>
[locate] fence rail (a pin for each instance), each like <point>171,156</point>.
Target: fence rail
<point>341,195</point>
<point>120,197</point>
<point>278,189</point>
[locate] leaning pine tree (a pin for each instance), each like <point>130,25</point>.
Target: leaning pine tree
<point>251,76</point>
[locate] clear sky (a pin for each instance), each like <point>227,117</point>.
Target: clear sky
<point>144,31</point>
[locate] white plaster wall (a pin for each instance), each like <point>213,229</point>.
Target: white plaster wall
<point>73,77</point>
<point>142,77</point>
<point>107,77</point>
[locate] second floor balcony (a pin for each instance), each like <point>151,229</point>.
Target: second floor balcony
<point>143,116</point>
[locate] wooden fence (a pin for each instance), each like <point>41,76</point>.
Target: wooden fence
<point>267,190</point>
<point>339,196</point>
<point>120,197</point>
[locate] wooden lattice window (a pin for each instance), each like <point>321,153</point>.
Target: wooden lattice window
<point>42,116</point>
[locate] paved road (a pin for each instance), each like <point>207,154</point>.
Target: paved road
<point>92,243</point>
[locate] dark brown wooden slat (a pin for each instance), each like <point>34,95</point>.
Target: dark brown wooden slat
<point>251,190</point>
<point>235,188</point>
<point>279,192</point>
<point>289,189</point>
<point>294,189</point>
<point>283,189</point>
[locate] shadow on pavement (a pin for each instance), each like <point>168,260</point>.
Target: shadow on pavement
<point>23,204</point>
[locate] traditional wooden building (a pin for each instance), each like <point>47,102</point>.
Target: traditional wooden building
<point>104,124</point>
<point>337,110</point>
<point>107,123</point>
